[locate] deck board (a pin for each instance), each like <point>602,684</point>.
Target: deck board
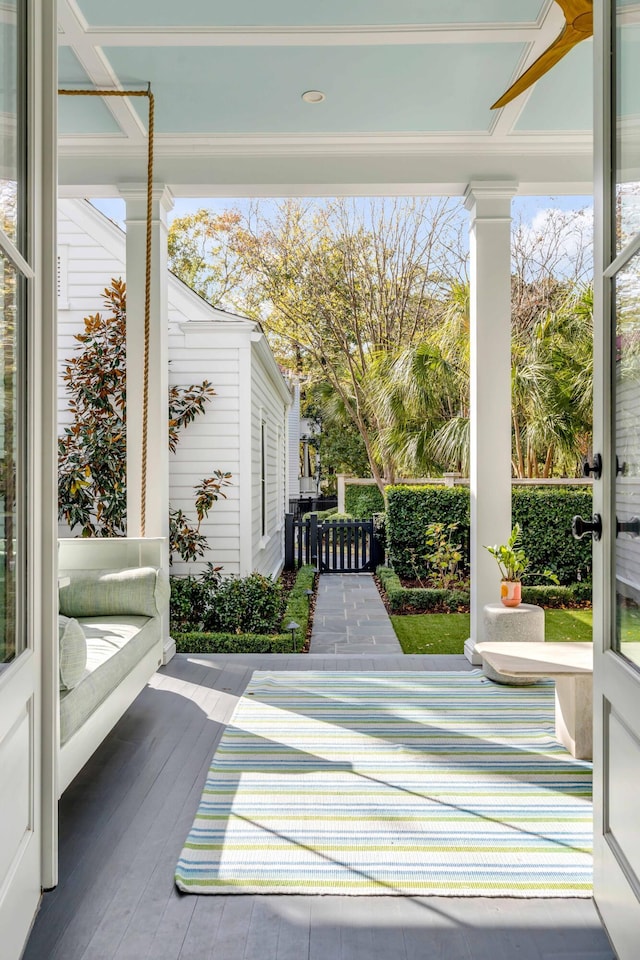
<point>124,819</point>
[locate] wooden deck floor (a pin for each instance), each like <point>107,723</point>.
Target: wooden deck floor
<point>124,819</point>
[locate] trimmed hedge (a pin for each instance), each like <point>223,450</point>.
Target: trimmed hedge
<point>327,515</point>
<point>320,514</point>
<point>543,513</point>
<point>362,502</point>
<point>297,609</point>
<point>557,596</point>
<point>409,512</point>
<point>232,643</point>
<point>422,599</point>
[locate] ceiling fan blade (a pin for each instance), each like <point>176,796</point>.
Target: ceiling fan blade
<point>558,49</point>
<point>573,9</point>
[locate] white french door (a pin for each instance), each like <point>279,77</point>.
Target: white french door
<point>27,510</point>
<point>617,492</point>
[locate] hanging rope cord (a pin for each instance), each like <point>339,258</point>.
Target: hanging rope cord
<point>147,276</point>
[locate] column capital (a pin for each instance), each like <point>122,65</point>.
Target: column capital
<point>490,199</point>
<point>135,197</point>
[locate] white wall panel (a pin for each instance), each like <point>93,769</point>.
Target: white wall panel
<point>15,795</point>
<point>624,776</point>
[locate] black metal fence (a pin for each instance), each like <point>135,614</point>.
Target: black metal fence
<point>332,546</point>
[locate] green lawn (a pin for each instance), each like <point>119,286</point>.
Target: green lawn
<point>447,632</point>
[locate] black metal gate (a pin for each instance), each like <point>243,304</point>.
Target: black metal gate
<point>332,546</point>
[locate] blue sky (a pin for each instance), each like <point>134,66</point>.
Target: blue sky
<point>524,208</point>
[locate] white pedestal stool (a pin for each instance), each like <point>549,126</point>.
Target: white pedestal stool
<point>521,624</point>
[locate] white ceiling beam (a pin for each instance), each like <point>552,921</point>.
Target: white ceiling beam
<point>550,188</point>
<point>98,69</point>
<point>392,144</point>
<point>414,35</point>
<point>326,175</point>
<point>550,27</point>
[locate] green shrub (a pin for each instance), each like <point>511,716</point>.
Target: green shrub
<point>557,596</point>
<point>410,510</point>
<point>582,591</point>
<point>328,515</point>
<point>362,502</point>
<point>250,604</point>
<point>191,598</point>
<point>443,556</point>
<point>421,599</point>
<point>544,514</point>
<point>194,642</point>
<point>297,608</point>
<point>413,600</point>
<point>322,514</point>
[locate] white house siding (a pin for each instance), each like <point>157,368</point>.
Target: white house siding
<point>86,265</point>
<point>204,344</point>
<point>202,351</point>
<point>269,408</point>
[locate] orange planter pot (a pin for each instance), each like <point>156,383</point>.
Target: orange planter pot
<point>511,593</point>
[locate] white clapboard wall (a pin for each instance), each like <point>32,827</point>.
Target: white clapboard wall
<point>204,344</point>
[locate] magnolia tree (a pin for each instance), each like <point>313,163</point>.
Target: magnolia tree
<point>92,451</point>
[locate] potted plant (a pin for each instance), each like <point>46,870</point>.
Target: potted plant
<point>513,562</point>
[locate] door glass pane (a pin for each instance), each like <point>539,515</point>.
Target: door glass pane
<point>11,302</point>
<point>11,139</point>
<point>627,121</point>
<point>627,447</point>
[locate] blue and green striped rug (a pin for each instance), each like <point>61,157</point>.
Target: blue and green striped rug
<point>391,783</point>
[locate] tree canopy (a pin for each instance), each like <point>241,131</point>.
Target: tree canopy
<point>369,302</point>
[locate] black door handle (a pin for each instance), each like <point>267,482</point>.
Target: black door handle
<point>580,528</point>
<point>631,526</point>
<point>594,468</point>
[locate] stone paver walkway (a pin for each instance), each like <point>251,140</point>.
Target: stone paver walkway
<point>351,618</point>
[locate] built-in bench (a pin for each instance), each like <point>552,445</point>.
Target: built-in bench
<point>114,600</point>
<point>571,666</point>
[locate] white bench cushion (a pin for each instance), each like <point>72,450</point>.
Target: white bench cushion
<point>115,644</point>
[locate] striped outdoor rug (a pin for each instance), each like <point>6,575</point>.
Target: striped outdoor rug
<point>396,783</point>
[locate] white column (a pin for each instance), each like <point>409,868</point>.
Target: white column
<point>489,204</point>
<point>157,487</point>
